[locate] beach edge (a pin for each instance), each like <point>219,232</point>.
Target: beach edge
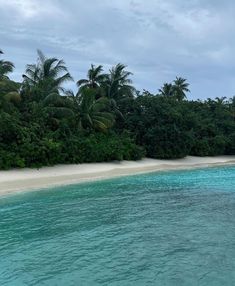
<point>23,180</point>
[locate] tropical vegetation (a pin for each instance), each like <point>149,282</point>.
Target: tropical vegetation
<point>42,123</point>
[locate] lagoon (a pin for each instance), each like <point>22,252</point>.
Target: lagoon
<point>163,228</point>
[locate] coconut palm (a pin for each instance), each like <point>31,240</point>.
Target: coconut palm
<point>118,88</point>
<point>221,100</point>
<point>95,78</point>
<point>117,83</point>
<point>43,83</point>
<point>46,77</point>
<point>91,112</point>
<point>167,90</point>
<point>8,89</point>
<point>57,106</point>
<point>180,88</point>
<point>232,106</point>
<point>6,67</point>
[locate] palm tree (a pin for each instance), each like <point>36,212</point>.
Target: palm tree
<point>91,112</point>
<point>118,87</point>
<point>9,94</point>
<point>180,88</point>
<point>6,67</point>
<point>43,83</point>
<point>46,77</point>
<point>95,78</point>
<point>221,100</point>
<point>232,107</point>
<point>57,106</point>
<point>167,90</point>
<point>118,84</point>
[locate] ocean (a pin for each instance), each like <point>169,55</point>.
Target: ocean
<point>164,228</point>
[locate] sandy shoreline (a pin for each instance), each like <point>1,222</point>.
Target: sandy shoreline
<point>13,181</point>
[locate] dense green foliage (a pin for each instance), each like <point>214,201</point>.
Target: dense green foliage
<point>42,123</point>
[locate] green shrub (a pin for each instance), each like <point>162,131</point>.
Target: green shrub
<point>99,147</point>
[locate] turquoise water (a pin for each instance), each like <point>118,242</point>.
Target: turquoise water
<point>172,228</point>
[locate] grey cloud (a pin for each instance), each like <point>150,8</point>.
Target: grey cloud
<point>157,39</point>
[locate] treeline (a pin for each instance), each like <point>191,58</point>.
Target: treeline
<point>42,123</point>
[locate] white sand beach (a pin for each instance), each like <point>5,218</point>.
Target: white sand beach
<point>18,180</point>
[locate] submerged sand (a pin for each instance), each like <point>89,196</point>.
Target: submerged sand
<point>18,180</point>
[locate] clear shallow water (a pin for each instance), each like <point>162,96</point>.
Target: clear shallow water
<point>172,228</point>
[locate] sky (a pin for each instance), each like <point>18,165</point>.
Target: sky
<point>157,39</point>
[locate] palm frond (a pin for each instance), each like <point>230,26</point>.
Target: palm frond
<point>51,99</point>
<point>82,81</point>
<point>64,78</point>
<point>47,75</point>
<point>41,56</point>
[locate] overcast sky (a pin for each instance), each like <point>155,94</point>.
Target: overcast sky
<point>157,39</point>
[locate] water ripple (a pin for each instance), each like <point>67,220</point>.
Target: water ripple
<point>171,228</point>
